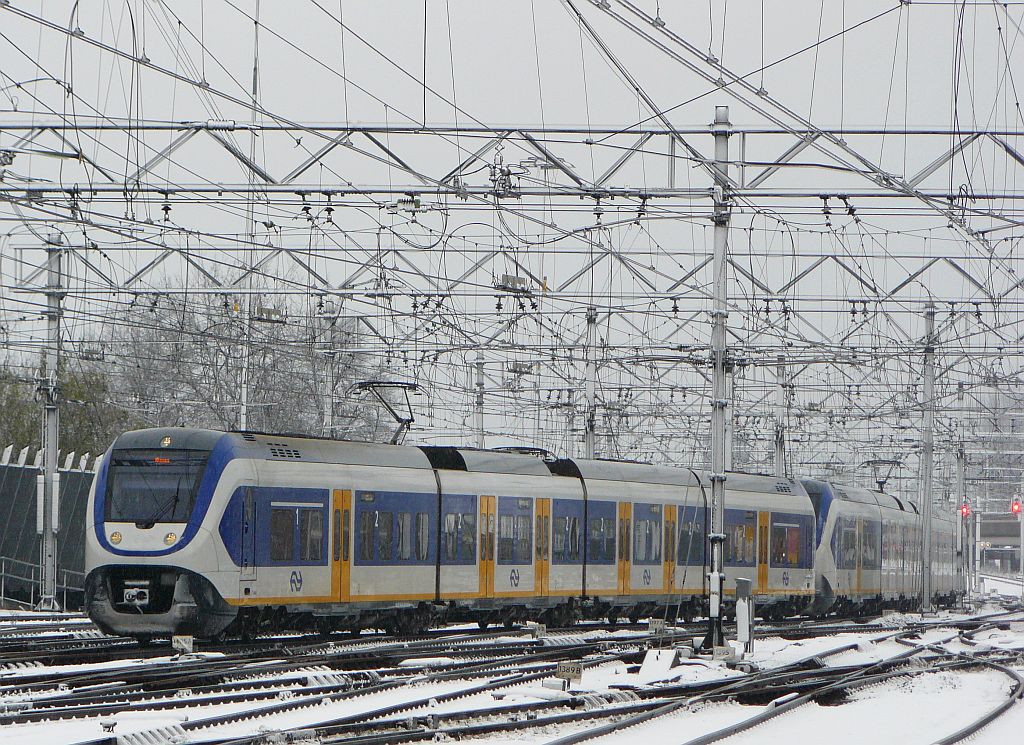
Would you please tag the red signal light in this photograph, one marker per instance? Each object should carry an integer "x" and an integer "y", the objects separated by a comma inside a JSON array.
[
  {"x": 965, "y": 509},
  {"x": 1015, "y": 507}
]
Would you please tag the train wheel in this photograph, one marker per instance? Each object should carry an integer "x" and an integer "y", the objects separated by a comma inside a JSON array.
[{"x": 482, "y": 623}]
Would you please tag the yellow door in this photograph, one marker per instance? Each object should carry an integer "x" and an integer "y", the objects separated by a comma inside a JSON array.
[
  {"x": 542, "y": 562},
  {"x": 762, "y": 551},
  {"x": 488, "y": 520},
  {"x": 668, "y": 547},
  {"x": 341, "y": 544},
  {"x": 625, "y": 542}
]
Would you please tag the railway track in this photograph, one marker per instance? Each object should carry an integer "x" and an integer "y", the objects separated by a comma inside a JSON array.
[{"x": 232, "y": 687}]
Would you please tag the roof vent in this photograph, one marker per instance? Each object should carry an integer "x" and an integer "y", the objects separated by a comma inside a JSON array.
[
  {"x": 249, "y": 437},
  {"x": 280, "y": 450},
  {"x": 783, "y": 488}
]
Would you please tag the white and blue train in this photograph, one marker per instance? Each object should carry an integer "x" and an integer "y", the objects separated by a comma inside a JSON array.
[{"x": 210, "y": 533}]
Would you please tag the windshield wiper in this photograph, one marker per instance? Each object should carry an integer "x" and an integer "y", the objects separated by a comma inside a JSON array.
[{"x": 170, "y": 505}]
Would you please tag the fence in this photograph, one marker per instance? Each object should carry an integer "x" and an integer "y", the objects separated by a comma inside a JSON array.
[
  {"x": 19, "y": 541},
  {"x": 19, "y": 585}
]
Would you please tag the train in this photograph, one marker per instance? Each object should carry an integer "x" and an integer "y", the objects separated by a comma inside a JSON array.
[{"x": 210, "y": 533}]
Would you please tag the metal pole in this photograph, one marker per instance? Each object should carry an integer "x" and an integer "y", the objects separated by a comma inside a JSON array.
[
  {"x": 977, "y": 551},
  {"x": 965, "y": 523},
  {"x": 479, "y": 405},
  {"x": 591, "y": 383},
  {"x": 49, "y": 392},
  {"x": 780, "y": 417},
  {"x": 250, "y": 209},
  {"x": 927, "y": 456},
  {"x": 719, "y": 402},
  {"x": 1020, "y": 519}
]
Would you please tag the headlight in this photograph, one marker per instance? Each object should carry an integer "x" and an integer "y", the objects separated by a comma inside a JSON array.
[
  {"x": 170, "y": 538},
  {"x": 115, "y": 537}
]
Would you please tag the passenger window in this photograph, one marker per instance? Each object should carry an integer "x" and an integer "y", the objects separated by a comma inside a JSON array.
[
  {"x": 451, "y": 536},
  {"x": 422, "y": 535},
  {"x": 524, "y": 539},
  {"x": 559, "y": 539},
  {"x": 385, "y": 535},
  {"x": 404, "y": 536},
  {"x": 311, "y": 534},
  {"x": 506, "y": 537},
  {"x": 785, "y": 545},
  {"x": 640, "y": 541},
  {"x": 366, "y": 520},
  {"x": 468, "y": 536},
  {"x": 282, "y": 535}
]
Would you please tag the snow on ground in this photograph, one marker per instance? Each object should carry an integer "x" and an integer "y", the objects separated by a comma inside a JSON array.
[
  {"x": 1000, "y": 585},
  {"x": 901, "y": 711}
]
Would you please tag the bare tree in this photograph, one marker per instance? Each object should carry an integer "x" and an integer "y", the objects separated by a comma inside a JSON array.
[{"x": 179, "y": 361}]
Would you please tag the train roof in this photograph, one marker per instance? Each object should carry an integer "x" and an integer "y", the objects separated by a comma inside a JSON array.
[{"x": 864, "y": 496}]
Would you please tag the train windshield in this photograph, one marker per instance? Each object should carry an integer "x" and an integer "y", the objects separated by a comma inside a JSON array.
[{"x": 151, "y": 486}]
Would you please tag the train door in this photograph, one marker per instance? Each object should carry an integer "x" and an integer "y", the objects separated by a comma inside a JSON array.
[
  {"x": 668, "y": 546},
  {"x": 488, "y": 520},
  {"x": 542, "y": 567},
  {"x": 341, "y": 544},
  {"x": 248, "y": 572},
  {"x": 763, "y": 535},
  {"x": 625, "y": 542}
]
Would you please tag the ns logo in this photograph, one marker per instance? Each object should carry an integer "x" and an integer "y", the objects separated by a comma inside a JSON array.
[{"x": 295, "y": 581}]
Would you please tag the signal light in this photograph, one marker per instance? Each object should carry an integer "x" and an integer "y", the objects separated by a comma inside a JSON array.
[
  {"x": 965, "y": 509},
  {"x": 1015, "y": 506}
]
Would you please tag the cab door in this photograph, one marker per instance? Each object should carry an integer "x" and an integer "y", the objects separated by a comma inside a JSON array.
[
  {"x": 763, "y": 535},
  {"x": 542, "y": 564},
  {"x": 668, "y": 546},
  {"x": 488, "y": 521},
  {"x": 625, "y": 542},
  {"x": 248, "y": 571},
  {"x": 341, "y": 544}
]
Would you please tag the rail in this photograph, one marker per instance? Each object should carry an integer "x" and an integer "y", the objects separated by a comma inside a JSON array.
[{"x": 20, "y": 584}]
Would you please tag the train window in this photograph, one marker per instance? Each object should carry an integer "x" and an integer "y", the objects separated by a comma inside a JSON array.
[
  {"x": 311, "y": 535},
  {"x": 691, "y": 544},
  {"x": 846, "y": 544},
  {"x": 869, "y": 545},
  {"x": 385, "y": 535},
  {"x": 467, "y": 535},
  {"x": 451, "y": 536},
  {"x": 523, "y": 539},
  {"x": 459, "y": 537},
  {"x": 366, "y": 521},
  {"x": 506, "y": 538},
  {"x": 601, "y": 546},
  {"x": 739, "y": 543},
  {"x": 540, "y": 537},
  {"x": 785, "y": 545},
  {"x": 640, "y": 541},
  {"x": 336, "y": 535},
  {"x": 422, "y": 535},
  {"x": 404, "y": 520},
  {"x": 344, "y": 536},
  {"x": 566, "y": 539},
  {"x": 282, "y": 535}
]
